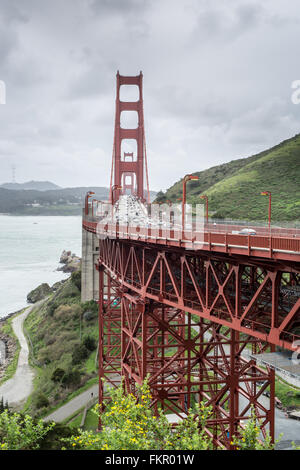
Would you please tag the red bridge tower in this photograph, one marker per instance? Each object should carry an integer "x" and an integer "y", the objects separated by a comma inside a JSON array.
[{"x": 129, "y": 169}]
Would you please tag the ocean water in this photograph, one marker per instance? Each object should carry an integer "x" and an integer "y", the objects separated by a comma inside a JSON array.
[{"x": 30, "y": 248}]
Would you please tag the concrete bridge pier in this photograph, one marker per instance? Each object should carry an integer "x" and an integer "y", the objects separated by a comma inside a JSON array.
[{"x": 89, "y": 273}]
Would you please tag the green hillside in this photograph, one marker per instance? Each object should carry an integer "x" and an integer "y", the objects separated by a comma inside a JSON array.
[
  {"x": 63, "y": 336},
  {"x": 234, "y": 188}
]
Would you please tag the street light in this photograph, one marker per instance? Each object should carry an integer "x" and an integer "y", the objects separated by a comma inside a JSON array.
[
  {"x": 114, "y": 188},
  {"x": 94, "y": 200},
  {"x": 185, "y": 180},
  {"x": 268, "y": 193},
  {"x": 88, "y": 195},
  {"x": 206, "y": 204}
]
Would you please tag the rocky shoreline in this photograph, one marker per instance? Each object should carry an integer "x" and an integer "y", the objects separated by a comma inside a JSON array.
[
  {"x": 8, "y": 350},
  {"x": 70, "y": 262}
]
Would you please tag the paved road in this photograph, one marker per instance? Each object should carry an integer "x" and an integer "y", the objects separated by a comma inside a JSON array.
[
  {"x": 16, "y": 390},
  {"x": 73, "y": 405}
]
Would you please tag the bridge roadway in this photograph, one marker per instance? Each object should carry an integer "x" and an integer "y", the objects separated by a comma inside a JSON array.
[{"x": 281, "y": 244}]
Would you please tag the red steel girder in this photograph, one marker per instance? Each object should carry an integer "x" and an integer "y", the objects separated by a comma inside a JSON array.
[{"x": 257, "y": 299}]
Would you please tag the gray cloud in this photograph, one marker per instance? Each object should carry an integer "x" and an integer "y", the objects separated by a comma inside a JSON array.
[{"x": 217, "y": 79}]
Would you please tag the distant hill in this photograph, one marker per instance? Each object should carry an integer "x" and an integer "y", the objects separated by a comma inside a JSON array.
[
  {"x": 64, "y": 201},
  {"x": 31, "y": 185},
  {"x": 234, "y": 188}
]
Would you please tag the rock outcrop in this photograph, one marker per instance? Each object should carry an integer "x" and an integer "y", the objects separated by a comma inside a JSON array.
[
  {"x": 8, "y": 349},
  {"x": 70, "y": 262},
  {"x": 39, "y": 293}
]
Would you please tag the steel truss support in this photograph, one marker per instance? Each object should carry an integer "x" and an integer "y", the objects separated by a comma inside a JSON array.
[
  {"x": 109, "y": 353},
  {"x": 250, "y": 296},
  {"x": 189, "y": 322},
  {"x": 190, "y": 361}
]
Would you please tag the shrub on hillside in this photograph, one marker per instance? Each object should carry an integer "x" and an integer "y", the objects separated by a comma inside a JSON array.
[
  {"x": 76, "y": 279},
  {"x": 43, "y": 356},
  {"x": 79, "y": 354},
  {"x": 52, "y": 306},
  {"x": 57, "y": 375},
  {"x": 90, "y": 305},
  {"x": 67, "y": 312},
  {"x": 71, "y": 377},
  {"x": 90, "y": 310},
  {"x": 41, "y": 400},
  {"x": 90, "y": 343},
  {"x": 89, "y": 315}
]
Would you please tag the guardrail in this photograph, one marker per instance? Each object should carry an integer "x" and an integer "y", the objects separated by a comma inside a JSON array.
[{"x": 269, "y": 246}]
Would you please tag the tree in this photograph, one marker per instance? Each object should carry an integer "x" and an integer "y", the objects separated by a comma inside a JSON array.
[
  {"x": 19, "y": 432},
  {"x": 80, "y": 353},
  {"x": 90, "y": 343}
]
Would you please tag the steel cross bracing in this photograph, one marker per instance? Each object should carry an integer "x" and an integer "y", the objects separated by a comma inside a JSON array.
[
  {"x": 188, "y": 309},
  {"x": 189, "y": 320}
]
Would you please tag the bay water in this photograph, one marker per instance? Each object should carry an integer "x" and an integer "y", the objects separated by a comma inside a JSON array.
[{"x": 30, "y": 248}]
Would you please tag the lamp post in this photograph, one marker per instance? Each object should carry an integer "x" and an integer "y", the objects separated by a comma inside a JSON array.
[
  {"x": 114, "y": 188},
  {"x": 88, "y": 195},
  {"x": 206, "y": 204},
  {"x": 185, "y": 180},
  {"x": 268, "y": 193},
  {"x": 94, "y": 200}
]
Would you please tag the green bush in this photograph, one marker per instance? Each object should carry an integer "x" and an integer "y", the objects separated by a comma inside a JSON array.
[
  {"x": 90, "y": 305},
  {"x": 18, "y": 432},
  {"x": 71, "y": 377},
  {"x": 79, "y": 354},
  {"x": 41, "y": 400},
  {"x": 89, "y": 315},
  {"x": 58, "y": 375},
  {"x": 76, "y": 279},
  {"x": 52, "y": 306},
  {"x": 90, "y": 343},
  {"x": 52, "y": 440},
  {"x": 130, "y": 424}
]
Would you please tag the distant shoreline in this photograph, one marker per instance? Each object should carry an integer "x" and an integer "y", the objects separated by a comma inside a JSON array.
[
  {"x": 12, "y": 314},
  {"x": 41, "y": 215}
]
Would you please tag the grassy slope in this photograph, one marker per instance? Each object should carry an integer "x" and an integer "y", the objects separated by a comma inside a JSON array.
[
  {"x": 54, "y": 330},
  {"x": 234, "y": 188}
]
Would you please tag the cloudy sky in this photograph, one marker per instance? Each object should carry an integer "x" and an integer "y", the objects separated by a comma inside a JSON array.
[{"x": 217, "y": 83}]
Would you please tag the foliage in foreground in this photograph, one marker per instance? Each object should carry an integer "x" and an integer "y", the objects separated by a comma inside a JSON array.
[
  {"x": 19, "y": 432},
  {"x": 131, "y": 425},
  {"x": 128, "y": 423},
  {"x": 249, "y": 438}
]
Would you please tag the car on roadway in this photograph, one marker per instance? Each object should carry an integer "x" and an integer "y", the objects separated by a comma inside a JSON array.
[{"x": 247, "y": 231}]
